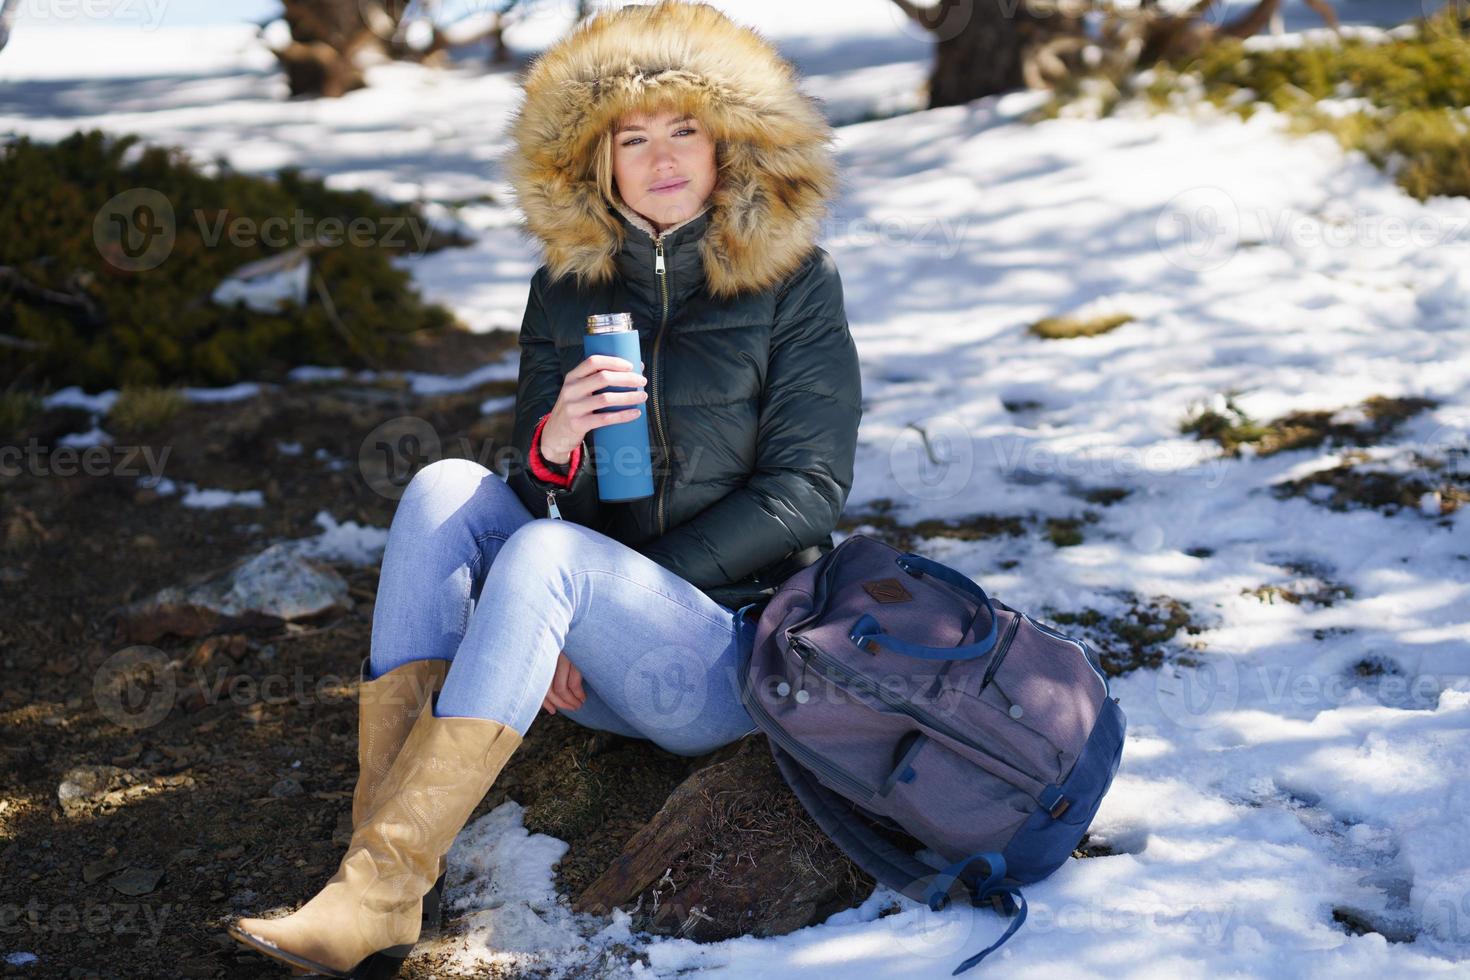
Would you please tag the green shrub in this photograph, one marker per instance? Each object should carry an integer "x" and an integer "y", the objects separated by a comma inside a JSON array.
[
  {"x": 1416, "y": 90},
  {"x": 140, "y": 408},
  {"x": 17, "y": 408},
  {"x": 104, "y": 322}
]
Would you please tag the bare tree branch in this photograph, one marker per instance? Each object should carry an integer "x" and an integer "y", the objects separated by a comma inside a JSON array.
[{"x": 1251, "y": 22}]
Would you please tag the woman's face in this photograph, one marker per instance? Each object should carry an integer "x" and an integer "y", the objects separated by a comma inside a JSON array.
[{"x": 652, "y": 151}]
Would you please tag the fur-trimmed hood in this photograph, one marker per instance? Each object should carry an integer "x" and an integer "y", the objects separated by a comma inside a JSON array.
[{"x": 772, "y": 143}]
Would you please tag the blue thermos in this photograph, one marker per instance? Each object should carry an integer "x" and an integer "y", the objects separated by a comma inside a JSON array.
[{"x": 624, "y": 467}]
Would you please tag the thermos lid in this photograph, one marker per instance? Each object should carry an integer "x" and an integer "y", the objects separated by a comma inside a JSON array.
[{"x": 609, "y": 322}]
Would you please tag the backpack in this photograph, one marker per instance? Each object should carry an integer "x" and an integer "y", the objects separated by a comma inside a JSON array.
[{"x": 893, "y": 691}]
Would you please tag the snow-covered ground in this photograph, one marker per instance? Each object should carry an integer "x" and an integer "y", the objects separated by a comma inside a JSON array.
[{"x": 1260, "y": 789}]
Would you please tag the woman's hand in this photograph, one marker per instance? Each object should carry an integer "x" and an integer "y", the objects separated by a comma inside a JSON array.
[
  {"x": 566, "y": 687},
  {"x": 575, "y": 412}
]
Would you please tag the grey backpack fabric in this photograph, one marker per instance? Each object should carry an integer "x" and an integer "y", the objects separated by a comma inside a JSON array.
[{"x": 894, "y": 691}]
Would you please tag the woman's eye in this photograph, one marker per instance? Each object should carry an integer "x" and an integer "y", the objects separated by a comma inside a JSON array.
[{"x": 635, "y": 139}]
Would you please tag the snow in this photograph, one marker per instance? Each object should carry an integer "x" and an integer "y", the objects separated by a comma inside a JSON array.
[
  {"x": 1260, "y": 789},
  {"x": 347, "y": 541},
  {"x": 215, "y": 499}
]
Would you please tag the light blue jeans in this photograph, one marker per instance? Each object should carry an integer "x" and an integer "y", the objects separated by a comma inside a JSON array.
[{"x": 470, "y": 576}]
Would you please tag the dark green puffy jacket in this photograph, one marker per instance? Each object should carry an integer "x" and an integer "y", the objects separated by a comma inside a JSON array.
[{"x": 753, "y": 414}]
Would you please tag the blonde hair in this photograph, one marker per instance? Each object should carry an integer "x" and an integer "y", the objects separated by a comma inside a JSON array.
[{"x": 602, "y": 167}]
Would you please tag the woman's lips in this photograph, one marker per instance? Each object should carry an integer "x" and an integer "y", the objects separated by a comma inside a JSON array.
[{"x": 679, "y": 185}]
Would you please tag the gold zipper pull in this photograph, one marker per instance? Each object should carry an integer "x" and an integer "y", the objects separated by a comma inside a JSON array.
[{"x": 658, "y": 256}]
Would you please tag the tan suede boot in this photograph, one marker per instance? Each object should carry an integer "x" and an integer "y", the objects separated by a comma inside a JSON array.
[
  {"x": 366, "y": 920},
  {"x": 386, "y": 710}
]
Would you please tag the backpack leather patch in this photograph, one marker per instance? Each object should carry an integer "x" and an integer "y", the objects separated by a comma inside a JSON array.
[{"x": 887, "y": 590}]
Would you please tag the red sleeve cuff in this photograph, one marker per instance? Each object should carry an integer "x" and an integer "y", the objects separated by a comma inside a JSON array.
[{"x": 541, "y": 467}]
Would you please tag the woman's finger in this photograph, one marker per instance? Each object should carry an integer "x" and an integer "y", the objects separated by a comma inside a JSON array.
[{"x": 574, "y": 682}]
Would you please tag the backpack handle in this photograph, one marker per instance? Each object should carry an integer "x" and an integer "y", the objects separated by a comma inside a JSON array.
[{"x": 869, "y": 636}]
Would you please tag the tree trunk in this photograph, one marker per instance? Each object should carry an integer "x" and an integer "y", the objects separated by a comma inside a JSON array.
[
  {"x": 326, "y": 36},
  {"x": 982, "y": 46}
]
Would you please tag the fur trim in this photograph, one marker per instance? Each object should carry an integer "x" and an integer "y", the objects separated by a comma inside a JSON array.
[{"x": 773, "y": 145}]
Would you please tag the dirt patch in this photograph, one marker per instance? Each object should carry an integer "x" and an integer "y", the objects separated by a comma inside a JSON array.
[
  {"x": 879, "y": 519},
  {"x": 1140, "y": 636},
  {"x": 1366, "y": 424},
  {"x": 238, "y": 799},
  {"x": 1435, "y": 486}
]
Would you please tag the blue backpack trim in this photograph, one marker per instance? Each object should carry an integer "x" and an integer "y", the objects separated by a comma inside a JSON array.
[{"x": 1043, "y": 843}]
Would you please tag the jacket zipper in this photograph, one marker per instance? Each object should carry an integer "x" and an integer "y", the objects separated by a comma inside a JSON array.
[
  {"x": 663, "y": 287},
  {"x": 836, "y": 670},
  {"x": 552, "y": 511}
]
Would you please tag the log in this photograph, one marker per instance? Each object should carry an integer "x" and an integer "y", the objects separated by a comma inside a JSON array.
[{"x": 732, "y": 852}]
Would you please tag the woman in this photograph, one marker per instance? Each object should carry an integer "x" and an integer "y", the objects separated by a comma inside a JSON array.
[{"x": 670, "y": 168}]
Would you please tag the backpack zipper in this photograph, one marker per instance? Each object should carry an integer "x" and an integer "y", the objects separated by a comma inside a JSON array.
[
  {"x": 663, "y": 287},
  {"x": 1000, "y": 654},
  {"x": 990, "y": 668},
  {"x": 854, "y": 788}
]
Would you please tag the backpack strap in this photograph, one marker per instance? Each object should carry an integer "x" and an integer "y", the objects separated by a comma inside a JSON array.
[{"x": 895, "y": 868}]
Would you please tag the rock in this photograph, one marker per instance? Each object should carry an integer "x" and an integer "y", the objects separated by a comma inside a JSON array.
[
  {"x": 268, "y": 589},
  {"x": 732, "y": 852},
  {"x": 137, "y": 881},
  {"x": 84, "y": 786},
  {"x": 286, "y": 788},
  {"x": 100, "y": 868}
]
